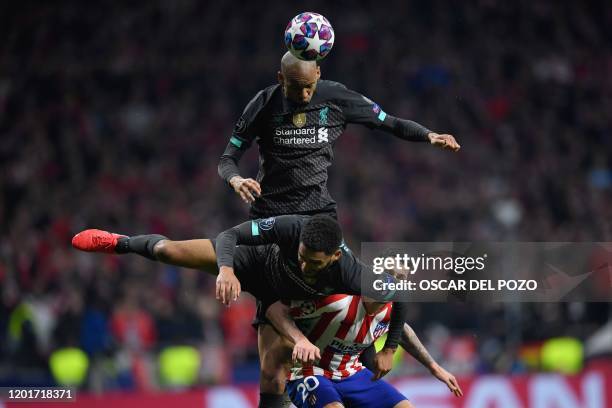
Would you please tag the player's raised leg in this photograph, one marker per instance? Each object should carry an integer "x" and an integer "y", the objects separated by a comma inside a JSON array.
[{"x": 195, "y": 253}]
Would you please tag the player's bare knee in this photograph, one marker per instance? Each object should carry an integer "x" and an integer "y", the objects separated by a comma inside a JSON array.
[
  {"x": 271, "y": 385},
  {"x": 273, "y": 375},
  {"x": 273, "y": 371},
  {"x": 272, "y": 381}
]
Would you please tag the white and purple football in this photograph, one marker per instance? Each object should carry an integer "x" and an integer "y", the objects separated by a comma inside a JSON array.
[{"x": 309, "y": 36}]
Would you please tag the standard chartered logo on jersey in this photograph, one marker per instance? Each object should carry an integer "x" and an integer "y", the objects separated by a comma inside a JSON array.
[{"x": 303, "y": 136}]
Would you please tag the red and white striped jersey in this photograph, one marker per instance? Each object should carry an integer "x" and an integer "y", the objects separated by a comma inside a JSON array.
[{"x": 342, "y": 329}]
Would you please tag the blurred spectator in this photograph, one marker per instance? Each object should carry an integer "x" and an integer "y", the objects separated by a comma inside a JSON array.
[
  {"x": 131, "y": 325},
  {"x": 114, "y": 115}
]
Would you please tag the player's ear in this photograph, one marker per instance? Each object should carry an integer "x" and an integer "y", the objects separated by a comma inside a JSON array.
[
  {"x": 279, "y": 76},
  {"x": 318, "y": 72},
  {"x": 336, "y": 255}
]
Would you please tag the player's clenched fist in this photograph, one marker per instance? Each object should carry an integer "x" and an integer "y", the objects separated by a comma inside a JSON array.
[
  {"x": 444, "y": 141},
  {"x": 305, "y": 352},
  {"x": 247, "y": 189},
  {"x": 228, "y": 285}
]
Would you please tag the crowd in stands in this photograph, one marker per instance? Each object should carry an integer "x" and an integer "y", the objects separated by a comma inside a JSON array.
[{"x": 114, "y": 115}]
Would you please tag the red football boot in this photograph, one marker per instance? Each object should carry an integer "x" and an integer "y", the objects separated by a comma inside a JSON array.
[{"x": 95, "y": 240}]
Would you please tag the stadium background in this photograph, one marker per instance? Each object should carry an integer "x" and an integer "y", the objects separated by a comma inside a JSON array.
[{"x": 114, "y": 115}]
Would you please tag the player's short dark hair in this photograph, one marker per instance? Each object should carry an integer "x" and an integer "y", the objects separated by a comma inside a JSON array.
[{"x": 321, "y": 233}]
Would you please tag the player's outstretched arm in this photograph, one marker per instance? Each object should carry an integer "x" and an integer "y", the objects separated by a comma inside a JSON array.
[
  {"x": 361, "y": 110},
  {"x": 303, "y": 350},
  {"x": 414, "y": 132},
  {"x": 411, "y": 343},
  {"x": 274, "y": 230}
]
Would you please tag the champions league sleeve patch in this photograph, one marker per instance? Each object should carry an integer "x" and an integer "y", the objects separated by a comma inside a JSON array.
[
  {"x": 381, "y": 113},
  {"x": 267, "y": 224},
  {"x": 302, "y": 308},
  {"x": 376, "y": 108},
  {"x": 386, "y": 294}
]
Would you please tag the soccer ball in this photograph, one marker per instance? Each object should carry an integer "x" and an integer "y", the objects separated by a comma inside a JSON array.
[{"x": 309, "y": 36}]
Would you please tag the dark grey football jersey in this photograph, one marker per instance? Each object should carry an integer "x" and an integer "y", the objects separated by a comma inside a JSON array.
[
  {"x": 277, "y": 240},
  {"x": 296, "y": 145}
]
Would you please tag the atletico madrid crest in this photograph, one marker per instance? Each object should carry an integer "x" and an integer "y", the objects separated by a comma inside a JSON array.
[{"x": 380, "y": 329}]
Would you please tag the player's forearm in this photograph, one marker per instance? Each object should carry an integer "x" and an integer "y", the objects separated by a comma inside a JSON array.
[
  {"x": 228, "y": 168},
  {"x": 228, "y": 163},
  {"x": 411, "y": 343},
  {"x": 406, "y": 129},
  {"x": 396, "y": 326},
  {"x": 226, "y": 247},
  {"x": 278, "y": 314},
  {"x": 400, "y": 309}
]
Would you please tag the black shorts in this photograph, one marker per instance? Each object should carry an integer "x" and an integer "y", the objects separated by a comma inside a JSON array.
[{"x": 250, "y": 269}]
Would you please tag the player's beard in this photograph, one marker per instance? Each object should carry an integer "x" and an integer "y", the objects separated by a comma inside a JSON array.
[
  {"x": 297, "y": 103},
  {"x": 312, "y": 278}
]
